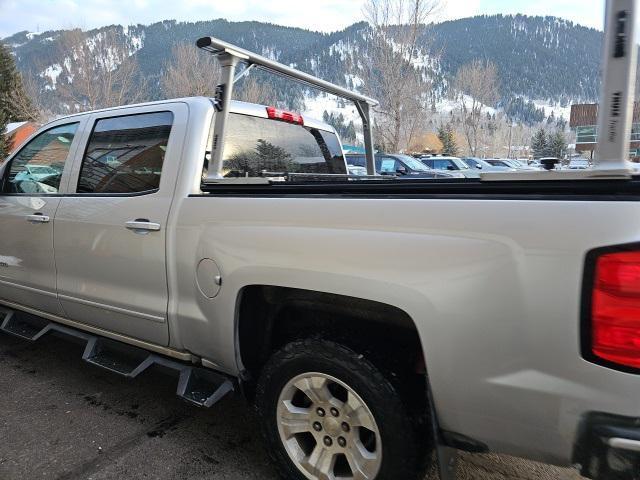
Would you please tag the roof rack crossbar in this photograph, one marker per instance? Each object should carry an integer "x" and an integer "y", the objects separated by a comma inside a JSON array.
[
  {"x": 217, "y": 47},
  {"x": 230, "y": 55}
]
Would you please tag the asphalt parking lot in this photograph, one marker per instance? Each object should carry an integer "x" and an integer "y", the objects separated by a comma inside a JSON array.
[{"x": 61, "y": 418}]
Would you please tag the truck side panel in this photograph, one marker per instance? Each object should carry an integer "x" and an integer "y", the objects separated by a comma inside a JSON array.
[{"x": 493, "y": 286}]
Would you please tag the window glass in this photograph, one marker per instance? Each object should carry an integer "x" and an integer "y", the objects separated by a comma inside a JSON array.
[
  {"x": 126, "y": 154},
  {"x": 357, "y": 160},
  {"x": 472, "y": 162},
  {"x": 414, "y": 164},
  {"x": 257, "y": 147},
  {"x": 388, "y": 165},
  {"x": 443, "y": 164},
  {"x": 38, "y": 167},
  {"x": 586, "y": 134}
]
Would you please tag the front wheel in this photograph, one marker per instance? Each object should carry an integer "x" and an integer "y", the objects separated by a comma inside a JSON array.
[{"x": 328, "y": 413}]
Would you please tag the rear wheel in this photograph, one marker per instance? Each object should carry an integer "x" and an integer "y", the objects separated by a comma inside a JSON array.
[{"x": 328, "y": 413}]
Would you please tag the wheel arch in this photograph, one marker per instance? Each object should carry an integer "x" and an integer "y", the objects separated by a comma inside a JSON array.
[{"x": 268, "y": 317}]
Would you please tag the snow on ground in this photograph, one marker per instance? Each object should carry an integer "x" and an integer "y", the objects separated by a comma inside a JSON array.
[
  {"x": 13, "y": 126},
  {"x": 555, "y": 108},
  {"x": 447, "y": 105},
  {"x": 316, "y": 106},
  {"x": 355, "y": 80},
  {"x": 52, "y": 73}
]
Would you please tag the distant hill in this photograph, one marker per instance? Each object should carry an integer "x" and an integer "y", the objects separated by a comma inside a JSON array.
[{"x": 542, "y": 59}]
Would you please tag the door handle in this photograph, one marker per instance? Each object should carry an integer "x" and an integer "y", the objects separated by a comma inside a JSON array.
[
  {"x": 38, "y": 218},
  {"x": 143, "y": 226}
]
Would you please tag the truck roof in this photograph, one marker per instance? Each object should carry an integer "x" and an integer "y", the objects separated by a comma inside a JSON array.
[{"x": 244, "y": 108}]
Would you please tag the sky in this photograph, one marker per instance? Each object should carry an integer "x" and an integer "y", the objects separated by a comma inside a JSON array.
[{"x": 322, "y": 15}]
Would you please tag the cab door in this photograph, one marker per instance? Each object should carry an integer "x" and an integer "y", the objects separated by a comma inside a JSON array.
[
  {"x": 31, "y": 182},
  {"x": 110, "y": 238}
]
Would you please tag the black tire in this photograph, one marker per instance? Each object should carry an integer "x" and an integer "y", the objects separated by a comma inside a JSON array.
[{"x": 405, "y": 452}]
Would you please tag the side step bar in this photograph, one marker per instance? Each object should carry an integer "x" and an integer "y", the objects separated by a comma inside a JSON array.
[{"x": 198, "y": 386}]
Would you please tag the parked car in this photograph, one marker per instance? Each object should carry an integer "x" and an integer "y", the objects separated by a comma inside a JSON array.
[
  {"x": 535, "y": 163},
  {"x": 578, "y": 164},
  {"x": 450, "y": 164},
  {"x": 400, "y": 165},
  {"x": 509, "y": 163},
  {"x": 481, "y": 164},
  {"x": 550, "y": 163},
  {"x": 356, "y": 170}
]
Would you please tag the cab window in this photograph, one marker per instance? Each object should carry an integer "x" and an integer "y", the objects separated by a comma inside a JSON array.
[
  {"x": 125, "y": 154},
  {"x": 37, "y": 168},
  {"x": 259, "y": 147}
]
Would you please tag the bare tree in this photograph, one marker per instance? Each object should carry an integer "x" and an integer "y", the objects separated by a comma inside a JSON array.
[
  {"x": 97, "y": 72},
  {"x": 190, "y": 73},
  {"x": 392, "y": 76},
  {"x": 253, "y": 90},
  {"x": 476, "y": 86}
]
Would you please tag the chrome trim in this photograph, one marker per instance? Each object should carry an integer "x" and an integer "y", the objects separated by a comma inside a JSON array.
[
  {"x": 140, "y": 225},
  {"x": 185, "y": 356},
  {"x": 111, "y": 308},
  {"x": 37, "y": 218},
  {"x": 624, "y": 444},
  {"x": 29, "y": 289}
]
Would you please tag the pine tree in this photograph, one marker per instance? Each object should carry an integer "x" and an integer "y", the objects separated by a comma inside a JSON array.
[
  {"x": 272, "y": 157},
  {"x": 446, "y": 136},
  {"x": 4, "y": 140},
  {"x": 539, "y": 144},
  {"x": 557, "y": 144},
  {"x": 14, "y": 103}
]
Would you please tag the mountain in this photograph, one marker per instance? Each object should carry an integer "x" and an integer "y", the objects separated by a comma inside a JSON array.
[
  {"x": 537, "y": 57},
  {"x": 541, "y": 59}
]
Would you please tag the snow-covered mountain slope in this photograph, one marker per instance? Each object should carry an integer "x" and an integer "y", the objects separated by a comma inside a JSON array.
[{"x": 540, "y": 61}]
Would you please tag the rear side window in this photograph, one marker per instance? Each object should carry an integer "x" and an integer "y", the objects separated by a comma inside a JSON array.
[
  {"x": 443, "y": 164},
  {"x": 37, "y": 168},
  {"x": 259, "y": 147},
  {"x": 126, "y": 154}
]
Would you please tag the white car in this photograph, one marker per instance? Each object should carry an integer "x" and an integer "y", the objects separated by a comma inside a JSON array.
[
  {"x": 509, "y": 163},
  {"x": 578, "y": 164}
]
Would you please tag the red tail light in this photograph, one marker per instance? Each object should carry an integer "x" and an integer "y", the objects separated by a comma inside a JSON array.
[
  {"x": 615, "y": 309},
  {"x": 276, "y": 114}
]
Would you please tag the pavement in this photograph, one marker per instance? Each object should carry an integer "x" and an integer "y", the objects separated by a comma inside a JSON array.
[{"x": 63, "y": 419}]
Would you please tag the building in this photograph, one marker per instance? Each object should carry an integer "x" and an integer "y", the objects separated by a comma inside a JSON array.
[
  {"x": 584, "y": 121},
  {"x": 19, "y": 132}
]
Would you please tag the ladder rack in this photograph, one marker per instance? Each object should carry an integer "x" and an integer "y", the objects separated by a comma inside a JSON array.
[{"x": 229, "y": 56}]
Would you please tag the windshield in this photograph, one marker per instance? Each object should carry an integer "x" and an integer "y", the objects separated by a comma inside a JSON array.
[
  {"x": 498, "y": 163},
  {"x": 472, "y": 162},
  {"x": 413, "y": 164},
  {"x": 461, "y": 164}
]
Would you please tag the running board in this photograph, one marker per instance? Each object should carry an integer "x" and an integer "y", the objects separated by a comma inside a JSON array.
[{"x": 198, "y": 386}]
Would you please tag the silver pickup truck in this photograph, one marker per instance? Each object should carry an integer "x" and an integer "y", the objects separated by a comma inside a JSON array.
[{"x": 371, "y": 321}]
